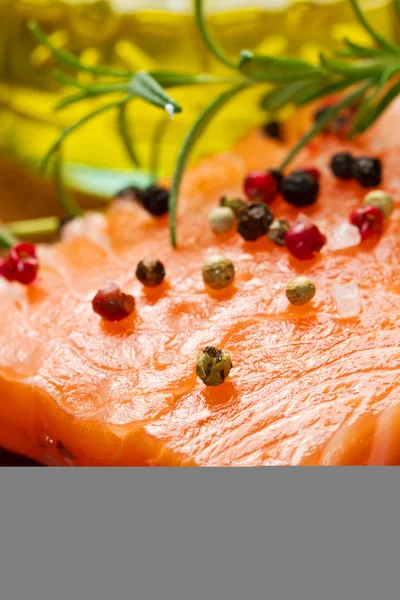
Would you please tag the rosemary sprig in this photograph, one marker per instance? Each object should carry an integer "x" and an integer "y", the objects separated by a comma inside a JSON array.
[
  {"x": 367, "y": 70},
  {"x": 367, "y": 75},
  {"x": 123, "y": 128},
  {"x": 194, "y": 133},
  {"x": 156, "y": 145}
]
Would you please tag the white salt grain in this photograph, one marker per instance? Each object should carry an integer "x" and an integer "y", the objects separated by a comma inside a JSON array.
[
  {"x": 344, "y": 236},
  {"x": 347, "y": 299}
]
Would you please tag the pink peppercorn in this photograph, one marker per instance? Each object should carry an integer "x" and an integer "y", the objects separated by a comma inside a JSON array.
[{"x": 304, "y": 240}]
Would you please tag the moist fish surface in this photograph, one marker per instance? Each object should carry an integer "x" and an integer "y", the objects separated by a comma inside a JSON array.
[{"x": 307, "y": 388}]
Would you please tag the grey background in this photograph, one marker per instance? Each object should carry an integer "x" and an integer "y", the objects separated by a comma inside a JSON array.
[{"x": 275, "y": 533}]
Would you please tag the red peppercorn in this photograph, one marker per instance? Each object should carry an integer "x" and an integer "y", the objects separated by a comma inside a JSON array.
[
  {"x": 112, "y": 304},
  {"x": 369, "y": 221},
  {"x": 314, "y": 172},
  {"x": 23, "y": 263},
  {"x": 304, "y": 240},
  {"x": 261, "y": 186},
  {"x": 5, "y": 270}
]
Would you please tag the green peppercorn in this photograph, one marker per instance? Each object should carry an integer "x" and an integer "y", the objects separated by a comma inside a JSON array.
[
  {"x": 221, "y": 219},
  {"x": 277, "y": 231},
  {"x": 300, "y": 291},
  {"x": 381, "y": 200},
  {"x": 213, "y": 366},
  {"x": 150, "y": 272},
  {"x": 236, "y": 204},
  {"x": 218, "y": 272}
]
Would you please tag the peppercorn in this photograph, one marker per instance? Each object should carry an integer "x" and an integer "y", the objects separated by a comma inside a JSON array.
[
  {"x": 381, "y": 200},
  {"x": 155, "y": 200},
  {"x": 218, "y": 272},
  {"x": 273, "y": 130},
  {"x": 131, "y": 192},
  {"x": 112, "y": 304},
  {"x": 369, "y": 221},
  {"x": 221, "y": 219},
  {"x": 304, "y": 240},
  {"x": 313, "y": 171},
  {"x": 278, "y": 177},
  {"x": 300, "y": 188},
  {"x": 6, "y": 270},
  {"x": 367, "y": 171},
  {"x": 262, "y": 186},
  {"x": 213, "y": 366},
  {"x": 300, "y": 291},
  {"x": 150, "y": 272},
  {"x": 338, "y": 125},
  {"x": 342, "y": 165},
  {"x": 236, "y": 204},
  {"x": 254, "y": 221},
  {"x": 277, "y": 231},
  {"x": 22, "y": 264}
]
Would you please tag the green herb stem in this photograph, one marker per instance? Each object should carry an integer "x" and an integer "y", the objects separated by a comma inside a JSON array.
[
  {"x": 155, "y": 148},
  {"x": 323, "y": 122},
  {"x": 191, "y": 137},
  {"x": 70, "y": 59},
  {"x": 34, "y": 227},
  {"x": 208, "y": 38},
  {"x": 126, "y": 138},
  {"x": 375, "y": 36},
  {"x": 57, "y": 145}
]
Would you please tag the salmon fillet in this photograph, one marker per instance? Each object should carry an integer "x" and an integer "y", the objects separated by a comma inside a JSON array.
[{"x": 307, "y": 387}]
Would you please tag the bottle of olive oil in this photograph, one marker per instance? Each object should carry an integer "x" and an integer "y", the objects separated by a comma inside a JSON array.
[{"x": 147, "y": 35}]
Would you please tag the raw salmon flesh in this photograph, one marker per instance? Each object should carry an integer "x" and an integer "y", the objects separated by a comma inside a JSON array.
[{"x": 307, "y": 388}]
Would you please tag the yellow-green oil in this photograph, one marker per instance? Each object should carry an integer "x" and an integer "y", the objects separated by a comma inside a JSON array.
[{"x": 148, "y": 39}]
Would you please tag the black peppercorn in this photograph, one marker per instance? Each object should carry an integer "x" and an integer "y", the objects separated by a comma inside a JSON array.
[
  {"x": 154, "y": 199},
  {"x": 342, "y": 165},
  {"x": 273, "y": 130},
  {"x": 300, "y": 188},
  {"x": 150, "y": 272},
  {"x": 367, "y": 171},
  {"x": 254, "y": 221}
]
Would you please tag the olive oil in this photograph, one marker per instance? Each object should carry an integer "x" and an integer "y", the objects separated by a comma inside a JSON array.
[{"x": 149, "y": 38}]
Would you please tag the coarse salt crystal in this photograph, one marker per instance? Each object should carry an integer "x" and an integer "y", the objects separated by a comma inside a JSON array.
[
  {"x": 344, "y": 236},
  {"x": 347, "y": 299}
]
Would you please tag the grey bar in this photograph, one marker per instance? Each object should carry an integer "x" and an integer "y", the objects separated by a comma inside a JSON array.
[{"x": 275, "y": 533}]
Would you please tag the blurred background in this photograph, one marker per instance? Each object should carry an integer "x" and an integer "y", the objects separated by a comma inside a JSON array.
[{"x": 139, "y": 34}]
